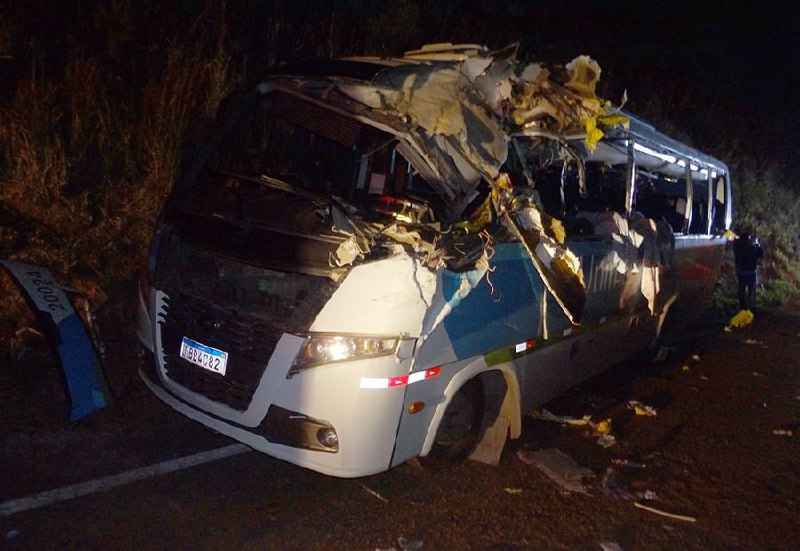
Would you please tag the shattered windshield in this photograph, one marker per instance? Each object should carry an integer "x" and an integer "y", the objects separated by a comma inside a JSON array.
[
  {"x": 301, "y": 143},
  {"x": 316, "y": 152}
]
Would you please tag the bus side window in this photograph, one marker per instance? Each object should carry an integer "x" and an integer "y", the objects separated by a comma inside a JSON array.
[
  {"x": 718, "y": 214},
  {"x": 699, "y": 208},
  {"x": 661, "y": 199}
]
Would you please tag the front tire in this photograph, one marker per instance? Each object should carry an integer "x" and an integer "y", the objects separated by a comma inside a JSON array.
[{"x": 460, "y": 428}]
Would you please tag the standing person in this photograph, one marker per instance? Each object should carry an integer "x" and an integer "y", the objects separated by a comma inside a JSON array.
[{"x": 747, "y": 254}]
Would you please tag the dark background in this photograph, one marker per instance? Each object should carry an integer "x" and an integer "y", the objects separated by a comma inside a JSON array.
[{"x": 717, "y": 76}]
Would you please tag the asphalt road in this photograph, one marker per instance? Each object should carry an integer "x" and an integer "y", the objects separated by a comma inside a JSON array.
[{"x": 710, "y": 453}]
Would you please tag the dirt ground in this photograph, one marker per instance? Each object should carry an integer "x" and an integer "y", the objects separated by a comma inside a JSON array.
[{"x": 711, "y": 453}]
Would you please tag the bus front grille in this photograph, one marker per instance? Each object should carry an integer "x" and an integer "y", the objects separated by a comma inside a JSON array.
[{"x": 249, "y": 342}]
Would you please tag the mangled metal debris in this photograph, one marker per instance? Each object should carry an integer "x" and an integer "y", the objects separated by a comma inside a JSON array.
[
  {"x": 86, "y": 385},
  {"x": 558, "y": 467},
  {"x": 456, "y": 111}
]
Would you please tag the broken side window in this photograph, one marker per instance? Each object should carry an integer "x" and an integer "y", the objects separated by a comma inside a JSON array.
[
  {"x": 605, "y": 187},
  {"x": 661, "y": 198},
  {"x": 699, "y": 223},
  {"x": 718, "y": 204}
]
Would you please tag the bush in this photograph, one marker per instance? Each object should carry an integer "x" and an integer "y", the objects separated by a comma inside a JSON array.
[
  {"x": 765, "y": 205},
  {"x": 85, "y": 164}
]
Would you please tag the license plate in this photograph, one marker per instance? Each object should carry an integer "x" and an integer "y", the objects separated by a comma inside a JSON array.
[{"x": 206, "y": 357}]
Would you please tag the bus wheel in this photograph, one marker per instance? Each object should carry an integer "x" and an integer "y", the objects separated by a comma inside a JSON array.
[{"x": 460, "y": 427}]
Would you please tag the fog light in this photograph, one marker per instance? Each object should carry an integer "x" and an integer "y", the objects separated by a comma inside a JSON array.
[
  {"x": 328, "y": 438},
  {"x": 415, "y": 407}
]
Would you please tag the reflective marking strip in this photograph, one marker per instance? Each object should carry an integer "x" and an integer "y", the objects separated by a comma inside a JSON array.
[
  {"x": 400, "y": 380},
  {"x": 416, "y": 377},
  {"x": 432, "y": 372},
  {"x": 525, "y": 346},
  {"x": 369, "y": 382}
]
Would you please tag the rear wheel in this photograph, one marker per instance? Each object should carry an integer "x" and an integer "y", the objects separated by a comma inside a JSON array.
[{"x": 460, "y": 427}]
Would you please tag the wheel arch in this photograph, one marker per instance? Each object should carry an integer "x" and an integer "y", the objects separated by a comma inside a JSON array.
[{"x": 509, "y": 401}]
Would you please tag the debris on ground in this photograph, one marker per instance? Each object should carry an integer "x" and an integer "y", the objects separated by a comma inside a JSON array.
[
  {"x": 614, "y": 486},
  {"x": 742, "y": 319},
  {"x": 695, "y": 358},
  {"x": 642, "y": 409},
  {"x": 603, "y": 427},
  {"x": 606, "y": 440},
  {"x": 610, "y": 546},
  {"x": 647, "y": 495},
  {"x": 374, "y": 494},
  {"x": 409, "y": 544},
  {"x": 513, "y": 491},
  {"x": 756, "y": 374},
  {"x": 782, "y": 432},
  {"x": 664, "y": 513},
  {"x": 703, "y": 378},
  {"x": 545, "y": 415},
  {"x": 685, "y": 368},
  {"x": 628, "y": 463},
  {"x": 85, "y": 382},
  {"x": 752, "y": 341},
  {"x": 558, "y": 467},
  {"x": 603, "y": 432},
  {"x": 663, "y": 353}
]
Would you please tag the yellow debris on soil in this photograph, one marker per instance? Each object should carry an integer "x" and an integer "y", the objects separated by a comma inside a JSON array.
[{"x": 742, "y": 319}]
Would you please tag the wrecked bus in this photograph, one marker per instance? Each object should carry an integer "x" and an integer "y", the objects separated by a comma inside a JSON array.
[{"x": 378, "y": 259}]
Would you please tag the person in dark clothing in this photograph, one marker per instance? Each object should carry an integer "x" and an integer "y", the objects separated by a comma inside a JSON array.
[{"x": 747, "y": 254}]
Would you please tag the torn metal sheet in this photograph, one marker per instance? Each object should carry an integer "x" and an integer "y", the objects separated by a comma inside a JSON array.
[
  {"x": 443, "y": 101},
  {"x": 457, "y": 105},
  {"x": 638, "y": 252},
  {"x": 558, "y": 467},
  {"x": 86, "y": 384},
  {"x": 543, "y": 239}
]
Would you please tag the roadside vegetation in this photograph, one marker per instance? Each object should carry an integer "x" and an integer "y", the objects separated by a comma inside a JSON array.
[
  {"x": 94, "y": 128},
  {"x": 768, "y": 207}
]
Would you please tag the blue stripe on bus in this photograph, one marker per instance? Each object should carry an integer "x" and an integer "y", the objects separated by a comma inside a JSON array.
[{"x": 485, "y": 321}]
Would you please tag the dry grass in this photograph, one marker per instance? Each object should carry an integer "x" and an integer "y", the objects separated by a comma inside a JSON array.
[{"x": 85, "y": 169}]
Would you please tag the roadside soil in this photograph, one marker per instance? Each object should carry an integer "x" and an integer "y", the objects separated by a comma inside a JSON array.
[{"x": 724, "y": 448}]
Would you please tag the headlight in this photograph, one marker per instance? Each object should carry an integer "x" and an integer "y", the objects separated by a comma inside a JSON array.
[{"x": 325, "y": 348}]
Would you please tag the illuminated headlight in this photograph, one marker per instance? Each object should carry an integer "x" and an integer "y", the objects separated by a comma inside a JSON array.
[{"x": 322, "y": 349}]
